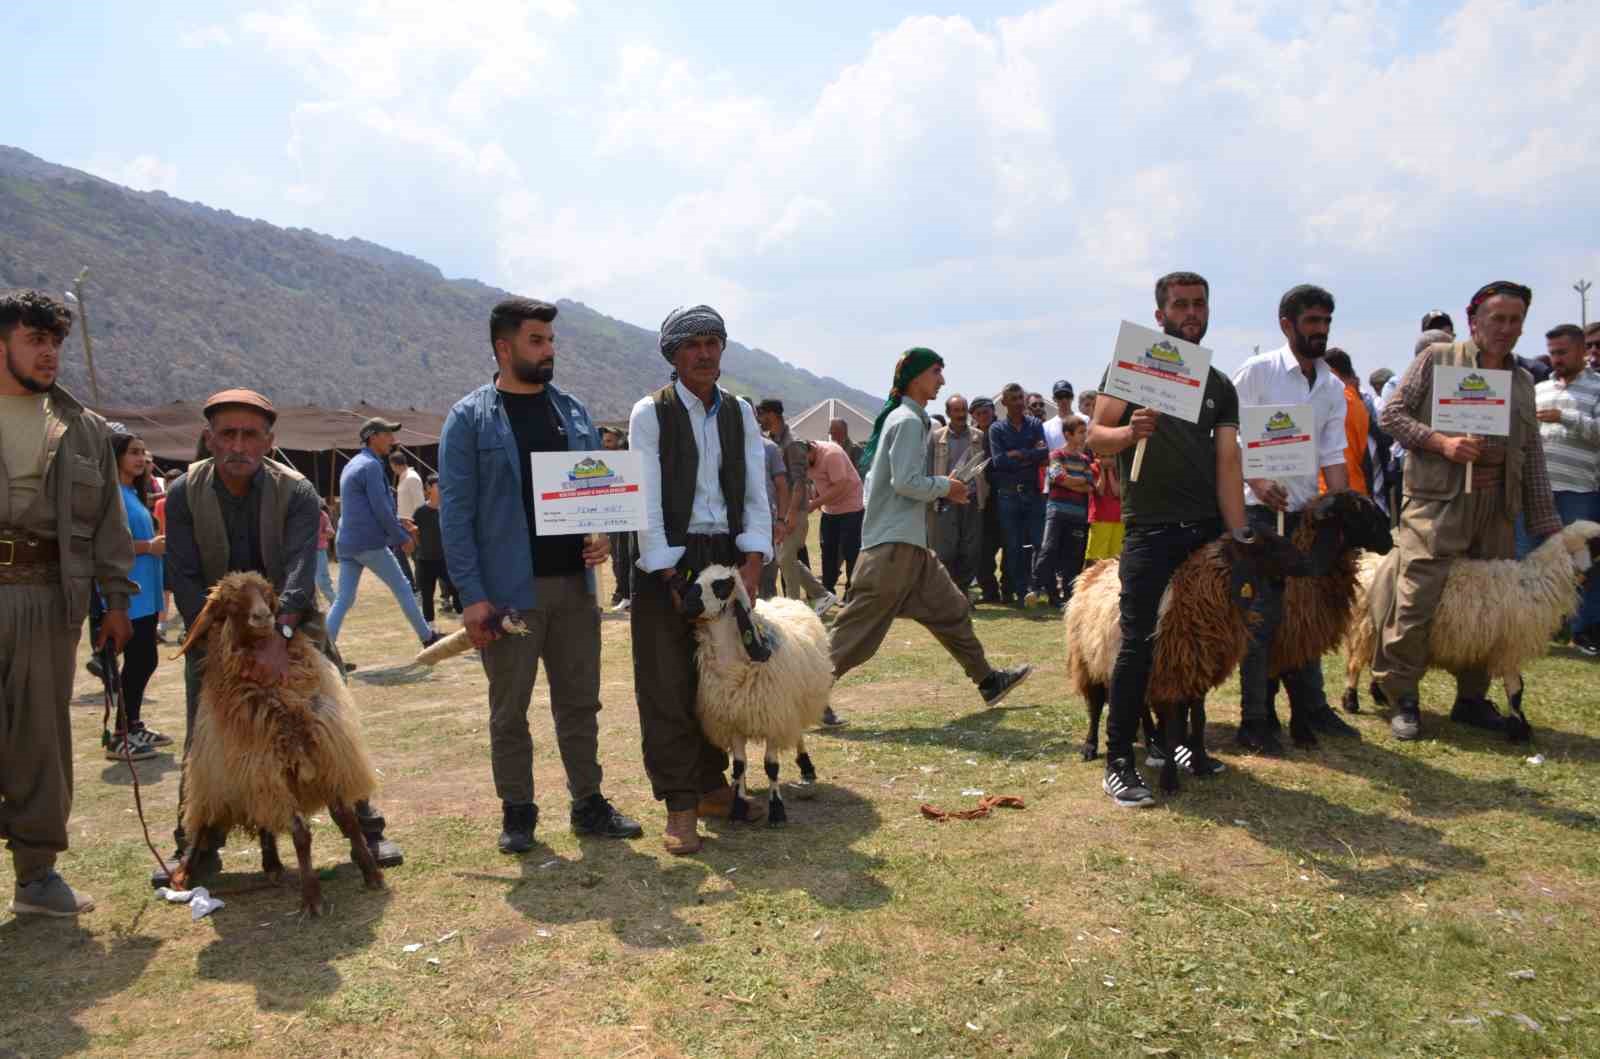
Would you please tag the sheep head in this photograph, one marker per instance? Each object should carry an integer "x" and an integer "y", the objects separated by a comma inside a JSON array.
[
  {"x": 1582, "y": 541},
  {"x": 711, "y": 593},
  {"x": 1349, "y": 520},
  {"x": 244, "y": 601},
  {"x": 1265, "y": 555}
]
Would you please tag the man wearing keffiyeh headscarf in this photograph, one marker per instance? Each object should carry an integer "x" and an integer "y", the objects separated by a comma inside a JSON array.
[{"x": 897, "y": 575}]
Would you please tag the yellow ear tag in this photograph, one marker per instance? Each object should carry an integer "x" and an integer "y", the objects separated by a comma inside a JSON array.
[{"x": 1246, "y": 592}]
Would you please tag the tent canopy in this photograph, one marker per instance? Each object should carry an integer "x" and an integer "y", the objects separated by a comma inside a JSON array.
[{"x": 812, "y": 424}]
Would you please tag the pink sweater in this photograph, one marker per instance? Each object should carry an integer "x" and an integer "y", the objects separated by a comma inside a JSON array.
[{"x": 838, "y": 486}]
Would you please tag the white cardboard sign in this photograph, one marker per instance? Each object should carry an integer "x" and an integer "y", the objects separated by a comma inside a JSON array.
[
  {"x": 1278, "y": 441},
  {"x": 1472, "y": 400},
  {"x": 587, "y": 492},
  {"x": 1158, "y": 371}
]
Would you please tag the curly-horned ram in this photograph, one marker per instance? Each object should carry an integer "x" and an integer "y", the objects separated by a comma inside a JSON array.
[
  {"x": 740, "y": 699},
  {"x": 267, "y": 753}
]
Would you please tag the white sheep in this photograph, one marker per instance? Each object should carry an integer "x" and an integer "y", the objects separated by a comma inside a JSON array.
[
  {"x": 1494, "y": 615},
  {"x": 740, "y": 699}
]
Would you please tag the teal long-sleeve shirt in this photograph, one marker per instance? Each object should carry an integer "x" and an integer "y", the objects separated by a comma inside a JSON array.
[{"x": 899, "y": 487}]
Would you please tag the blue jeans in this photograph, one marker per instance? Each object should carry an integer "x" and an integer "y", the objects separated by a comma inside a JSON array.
[
  {"x": 324, "y": 579},
  {"x": 1572, "y": 507},
  {"x": 1022, "y": 525},
  {"x": 380, "y": 561}
]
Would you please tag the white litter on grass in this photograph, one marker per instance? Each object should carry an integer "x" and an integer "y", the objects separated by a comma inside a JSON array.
[
  {"x": 199, "y": 900},
  {"x": 817, "y": 935},
  {"x": 433, "y": 961},
  {"x": 543, "y": 934},
  {"x": 1241, "y": 823},
  {"x": 1524, "y": 975},
  {"x": 972, "y": 792},
  {"x": 1537, "y": 759},
  {"x": 1526, "y": 1022},
  {"x": 415, "y": 946},
  {"x": 974, "y": 1027},
  {"x": 731, "y": 870},
  {"x": 972, "y": 761},
  {"x": 446, "y": 937},
  {"x": 550, "y": 863}
]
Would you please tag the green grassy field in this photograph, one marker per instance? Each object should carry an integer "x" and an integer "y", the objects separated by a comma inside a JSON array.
[{"x": 1367, "y": 899}]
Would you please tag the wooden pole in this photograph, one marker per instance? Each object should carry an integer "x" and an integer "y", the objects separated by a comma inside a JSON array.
[{"x": 88, "y": 344}]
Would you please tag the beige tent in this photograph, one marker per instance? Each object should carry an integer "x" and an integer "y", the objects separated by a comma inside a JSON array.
[{"x": 812, "y": 424}]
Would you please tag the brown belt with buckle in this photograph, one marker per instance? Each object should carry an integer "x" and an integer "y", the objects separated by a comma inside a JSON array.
[{"x": 28, "y": 560}]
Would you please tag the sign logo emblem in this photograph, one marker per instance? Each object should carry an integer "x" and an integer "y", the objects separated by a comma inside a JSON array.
[
  {"x": 1474, "y": 387},
  {"x": 590, "y": 473}
]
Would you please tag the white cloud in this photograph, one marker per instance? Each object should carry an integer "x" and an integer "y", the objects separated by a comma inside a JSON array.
[{"x": 212, "y": 36}]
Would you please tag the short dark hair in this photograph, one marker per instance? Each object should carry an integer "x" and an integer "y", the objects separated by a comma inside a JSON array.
[
  {"x": 1011, "y": 388},
  {"x": 1179, "y": 279},
  {"x": 1298, "y": 299},
  {"x": 396, "y": 456},
  {"x": 34, "y": 308},
  {"x": 770, "y": 404},
  {"x": 1592, "y": 329},
  {"x": 1565, "y": 331},
  {"x": 507, "y": 318},
  {"x": 1339, "y": 361}
]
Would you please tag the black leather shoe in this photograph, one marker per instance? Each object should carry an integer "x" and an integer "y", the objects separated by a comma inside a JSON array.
[
  {"x": 1479, "y": 713},
  {"x": 596, "y": 816},
  {"x": 386, "y": 853},
  {"x": 1260, "y": 737},
  {"x": 1324, "y": 721},
  {"x": 1406, "y": 722},
  {"x": 207, "y": 862},
  {"x": 516, "y": 829}
]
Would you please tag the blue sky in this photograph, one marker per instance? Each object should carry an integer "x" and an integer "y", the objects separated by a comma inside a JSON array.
[{"x": 1002, "y": 182}]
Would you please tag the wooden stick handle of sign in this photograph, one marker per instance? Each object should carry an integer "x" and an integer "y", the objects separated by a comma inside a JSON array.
[
  {"x": 1138, "y": 460},
  {"x": 1280, "y": 523},
  {"x": 1468, "y": 488}
]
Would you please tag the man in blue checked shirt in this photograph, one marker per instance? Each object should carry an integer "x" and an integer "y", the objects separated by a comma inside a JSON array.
[{"x": 1017, "y": 450}]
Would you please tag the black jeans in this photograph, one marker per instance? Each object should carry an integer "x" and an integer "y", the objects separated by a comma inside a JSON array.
[
  {"x": 1150, "y": 555},
  {"x": 622, "y": 560},
  {"x": 1256, "y": 689},
  {"x": 431, "y": 574},
  {"x": 993, "y": 544},
  {"x": 138, "y": 666},
  {"x": 1066, "y": 537},
  {"x": 841, "y": 539}
]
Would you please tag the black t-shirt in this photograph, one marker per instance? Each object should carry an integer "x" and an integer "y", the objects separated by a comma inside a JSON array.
[
  {"x": 430, "y": 544},
  {"x": 1178, "y": 479},
  {"x": 537, "y": 425}
]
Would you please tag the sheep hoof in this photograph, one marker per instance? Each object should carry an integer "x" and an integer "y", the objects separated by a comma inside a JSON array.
[
  {"x": 275, "y": 875},
  {"x": 1089, "y": 751},
  {"x": 740, "y": 809},
  {"x": 375, "y": 881},
  {"x": 777, "y": 815},
  {"x": 1301, "y": 733},
  {"x": 1169, "y": 777},
  {"x": 1352, "y": 700},
  {"x": 1377, "y": 694},
  {"x": 806, "y": 788}
]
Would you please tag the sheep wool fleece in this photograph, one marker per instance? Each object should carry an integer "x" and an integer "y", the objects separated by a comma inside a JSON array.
[{"x": 899, "y": 580}]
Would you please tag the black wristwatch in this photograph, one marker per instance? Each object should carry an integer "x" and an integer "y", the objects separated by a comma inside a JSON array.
[{"x": 286, "y": 631}]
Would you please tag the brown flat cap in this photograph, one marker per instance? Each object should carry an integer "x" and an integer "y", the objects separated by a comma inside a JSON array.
[{"x": 241, "y": 399}]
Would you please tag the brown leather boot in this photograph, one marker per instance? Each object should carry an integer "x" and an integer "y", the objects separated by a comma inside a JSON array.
[
  {"x": 719, "y": 805},
  {"x": 682, "y": 835}
]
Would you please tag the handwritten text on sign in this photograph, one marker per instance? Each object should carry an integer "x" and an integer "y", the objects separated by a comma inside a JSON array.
[
  {"x": 1472, "y": 400},
  {"x": 587, "y": 492},
  {"x": 1159, "y": 371},
  {"x": 1278, "y": 441}
]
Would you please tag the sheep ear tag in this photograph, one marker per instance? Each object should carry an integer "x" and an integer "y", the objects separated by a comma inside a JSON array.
[
  {"x": 755, "y": 644},
  {"x": 1247, "y": 591}
]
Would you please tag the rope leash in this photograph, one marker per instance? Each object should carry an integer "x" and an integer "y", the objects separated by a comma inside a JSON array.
[{"x": 112, "y": 679}]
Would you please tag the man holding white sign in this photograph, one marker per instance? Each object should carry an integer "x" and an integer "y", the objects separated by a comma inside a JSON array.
[
  {"x": 1293, "y": 410},
  {"x": 1190, "y": 486},
  {"x": 1463, "y": 494},
  {"x": 500, "y": 561}
]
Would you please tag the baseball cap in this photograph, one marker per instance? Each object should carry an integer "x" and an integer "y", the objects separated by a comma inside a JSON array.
[
  {"x": 376, "y": 425},
  {"x": 240, "y": 398},
  {"x": 1061, "y": 388},
  {"x": 1437, "y": 320}
]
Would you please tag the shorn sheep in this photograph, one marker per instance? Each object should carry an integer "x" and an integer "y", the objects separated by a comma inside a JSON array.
[
  {"x": 765, "y": 674},
  {"x": 264, "y": 755},
  {"x": 1495, "y": 614}
]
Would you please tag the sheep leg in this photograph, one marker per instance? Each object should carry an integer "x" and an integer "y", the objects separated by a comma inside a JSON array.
[
  {"x": 1096, "y": 699},
  {"x": 310, "y": 889},
  {"x": 807, "y": 787},
  {"x": 1169, "y": 767},
  {"x": 360, "y": 852},
  {"x": 1518, "y": 730},
  {"x": 270, "y": 862},
  {"x": 1353, "y": 666},
  {"x": 741, "y": 796},
  {"x": 777, "y": 816}
]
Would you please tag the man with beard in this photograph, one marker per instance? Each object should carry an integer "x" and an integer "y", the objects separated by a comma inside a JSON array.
[
  {"x": 500, "y": 561},
  {"x": 1294, "y": 373},
  {"x": 1569, "y": 427},
  {"x": 958, "y": 528},
  {"x": 58, "y": 485},
  {"x": 1190, "y": 486}
]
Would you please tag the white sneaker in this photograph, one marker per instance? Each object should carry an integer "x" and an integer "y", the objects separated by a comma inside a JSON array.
[
  {"x": 129, "y": 748},
  {"x": 824, "y": 603},
  {"x": 622, "y": 607}
]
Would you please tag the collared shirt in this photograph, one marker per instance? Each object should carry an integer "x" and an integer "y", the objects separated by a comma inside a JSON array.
[
  {"x": 409, "y": 494},
  {"x": 898, "y": 487},
  {"x": 1572, "y": 446},
  {"x": 1275, "y": 378},
  {"x": 709, "y": 513},
  {"x": 837, "y": 483},
  {"x": 1017, "y": 452},
  {"x": 775, "y": 469}
]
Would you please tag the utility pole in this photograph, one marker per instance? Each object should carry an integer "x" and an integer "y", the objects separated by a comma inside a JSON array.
[
  {"x": 1582, "y": 287},
  {"x": 76, "y": 297}
]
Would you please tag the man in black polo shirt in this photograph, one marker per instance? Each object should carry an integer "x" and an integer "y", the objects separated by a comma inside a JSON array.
[{"x": 1190, "y": 484}]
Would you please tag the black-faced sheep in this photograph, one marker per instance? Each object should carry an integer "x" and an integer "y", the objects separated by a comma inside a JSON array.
[
  {"x": 266, "y": 753},
  {"x": 1495, "y": 615},
  {"x": 773, "y": 700}
]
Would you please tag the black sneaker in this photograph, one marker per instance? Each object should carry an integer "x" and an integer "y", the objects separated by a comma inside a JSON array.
[
  {"x": 1406, "y": 723},
  {"x": 207, "y": 863},
  {"x": 432, "y": 639},
  {"x": 1585, "y": 642},
  {"x": 1201, "y": 764},
  {"x": 1479, "y": 713},
  {"x": 831, "y": 719},
  {"x": 1125, "y": 786},
  {"x": 596, "y": 816},
  {"x": 1325, "y": 721},
  {"x": 998, "y": 684},
  {"x": 1259, "y": 736},
  {"x": 516, "y": 830}
]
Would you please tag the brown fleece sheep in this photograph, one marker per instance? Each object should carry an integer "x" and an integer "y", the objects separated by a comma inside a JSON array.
[{"x": 264, "y": 754}]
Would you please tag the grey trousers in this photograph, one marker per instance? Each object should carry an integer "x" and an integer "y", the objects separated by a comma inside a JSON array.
[
  {"x": 958, "y": 540},
  {"x": 564, "y": 631}
]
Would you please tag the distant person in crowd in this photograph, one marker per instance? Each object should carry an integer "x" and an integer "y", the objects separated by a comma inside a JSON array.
[
  {"x": 1017, "y": 450},
  {"x": 836, "y": 493},
  {"x": 167, "y": 614},
  {"x": 1380, "y": 444},
  {"x": 1069, "y": 480},
  {"x": 1190, "y": 488},
  {"x": 624, "y": 549},
  {"x": 433, "y": 575},
  {"x": 138, "y": 740},
  {"x": 368, "y": 528},
  {"x": 500, "y": 561},
  {"x": 1569, "y": 429},
  {"x": 706, "y": 502},
  {"x": 408, "y": 495},
  {"x": 1438, "y": 320},
  {"x": 839, "y": 434},
  {"x": 1035, "y": 406},
  {"x": 1086, "y": 404},
  {"x": 325, "y": 533},
  {"x": 1055, "y": 434},
  {"x": 777, "y": 473},
  {"x": 1297, "y": 372},
  {"x": 55, "y": 546},
  {"x": 238, "y": 510},
  {"x": 798, "y": 580},
  {"x": 958, "y": 528},
  {"x": 1357, "y": 425},
  {"x": 1105, "y": 511},
  {"x": 1440, "y": 520},
  {"x": 1591, "y": 345},
  {"x": 991, "y": 549},
  {"x": 898, "y": 577},
  {"x": 938, "y": 418}
]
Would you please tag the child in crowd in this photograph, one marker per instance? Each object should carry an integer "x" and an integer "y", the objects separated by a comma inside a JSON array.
[
  {"x": 1069, "y": 481},
  {"x": 1105, "y": 512}
]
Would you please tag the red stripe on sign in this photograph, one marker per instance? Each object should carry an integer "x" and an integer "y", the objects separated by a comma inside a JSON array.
[
  {"x": 1473, "y": 400},
  {"x": 568, "y": 494},
  {"x": 1167, "y": 375},
  {"x": 1277, "y": 441}
]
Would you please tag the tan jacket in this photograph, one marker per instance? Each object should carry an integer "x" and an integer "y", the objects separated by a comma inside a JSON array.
[{"x": 939, "y": 459}]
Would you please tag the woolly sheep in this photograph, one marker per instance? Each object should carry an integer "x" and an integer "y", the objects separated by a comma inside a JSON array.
[
  {"x": 265, "y": 755},
  {"x": 740, "y": 699}
]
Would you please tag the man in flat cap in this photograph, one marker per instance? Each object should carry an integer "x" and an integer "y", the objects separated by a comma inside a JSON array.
[
  {"x": 239, "y": 510},
  {"x": 706, "y": 503},
  {"x": 62, "y": 528}
]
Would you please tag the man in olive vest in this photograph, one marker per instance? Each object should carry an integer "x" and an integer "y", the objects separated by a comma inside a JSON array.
[
  {"x": 239, "y": 510},
  {"x": 1440, "y": 520},
  {"x": 706, "y": 503}
]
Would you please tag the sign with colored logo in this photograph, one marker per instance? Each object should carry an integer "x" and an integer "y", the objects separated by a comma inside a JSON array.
[
  {"x": 1472, "y": 400},
  {"x": 1278, "y": 441},
  {"x": 587, "y": 492},
  {"x": 1159, "y": 371}
]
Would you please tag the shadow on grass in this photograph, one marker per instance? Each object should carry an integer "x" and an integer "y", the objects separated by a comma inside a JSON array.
[
  {"x": 393, "y": 676},
  {"x": 68, "y": 970},
  {"x": 974, "y": 731},
  {"x": 151, "y": 770}
]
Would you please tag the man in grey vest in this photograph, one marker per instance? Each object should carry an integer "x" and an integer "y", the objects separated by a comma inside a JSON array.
[
  {"x": 958, "y": 528},
  {"x": 239, "y": 510},
  {"x": 706, "y": 502}
]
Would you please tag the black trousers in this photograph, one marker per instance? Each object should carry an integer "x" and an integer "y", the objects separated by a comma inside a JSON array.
[
  {"x": 841, "y": 540},
  {"x": 405, "y": 567},
  {"x": 431, "y": 575},
  {"x": 1066, "y": 537},
  {"x": 139, "y": 660},
  {"x": 622, "y": 559},
  {"x": 994, "y": 540},
  {"x": 1150, "y": 555}
]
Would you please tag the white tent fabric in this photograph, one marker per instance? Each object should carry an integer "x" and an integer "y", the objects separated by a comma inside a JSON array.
[{"x": 812, "y": 424}]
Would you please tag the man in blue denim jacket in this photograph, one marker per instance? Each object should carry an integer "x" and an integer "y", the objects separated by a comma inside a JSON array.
[{"x": 500, "y": 562}]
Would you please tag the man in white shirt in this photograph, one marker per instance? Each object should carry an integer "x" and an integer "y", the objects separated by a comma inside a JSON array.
[
  {"x": 1294, "y": 373},
  {"x": 1054, "y": 435},
  {"x": 705, "y": 484},
  {"x": 1569, "y": 426},
  {"x": 409, "y": 495}
]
